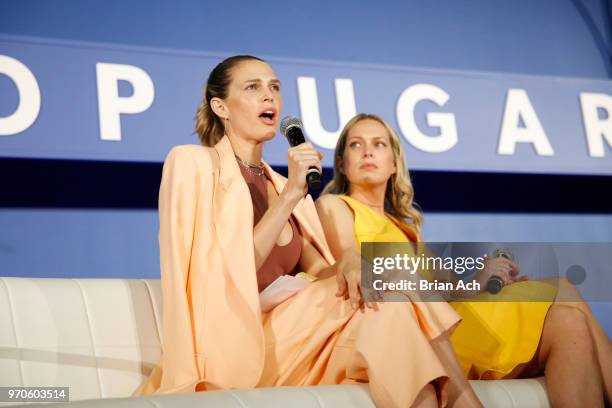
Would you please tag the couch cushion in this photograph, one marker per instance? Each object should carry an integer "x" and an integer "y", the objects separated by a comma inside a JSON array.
[{"x": 98, "y": 336}]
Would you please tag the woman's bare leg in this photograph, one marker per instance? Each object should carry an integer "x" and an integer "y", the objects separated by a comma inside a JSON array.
[
  {"x": 460, "y": 392},
  {"x": 569, "y": 296},
  {"x": 427, "y": 398},
  {"x": 567, "y": 353}
]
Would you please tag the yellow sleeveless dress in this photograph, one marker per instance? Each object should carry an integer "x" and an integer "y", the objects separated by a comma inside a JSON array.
[{"x": 493, "y": 337}]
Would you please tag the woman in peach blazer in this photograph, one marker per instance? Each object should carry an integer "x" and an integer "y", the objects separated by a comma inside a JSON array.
[{"x": 214, "y": 333}]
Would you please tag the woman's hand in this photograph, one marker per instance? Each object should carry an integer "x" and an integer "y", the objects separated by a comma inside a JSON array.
[
  {"x": 506, "y": 269},
  {"x": 348, "y": 276},
  {"x": 300, "y": 159},
  {"x": 269, "y": 227}
]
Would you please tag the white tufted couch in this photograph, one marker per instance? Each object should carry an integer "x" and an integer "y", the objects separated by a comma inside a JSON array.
[{"x": 101, "y": 338}]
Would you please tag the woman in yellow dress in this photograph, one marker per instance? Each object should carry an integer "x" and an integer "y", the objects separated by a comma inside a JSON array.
[{"x": 371, "y": 200}]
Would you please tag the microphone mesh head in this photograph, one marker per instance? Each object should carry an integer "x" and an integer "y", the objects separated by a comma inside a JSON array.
[
  {"x": 504, "y": 252},
  {"x": 288, "y": 122}
]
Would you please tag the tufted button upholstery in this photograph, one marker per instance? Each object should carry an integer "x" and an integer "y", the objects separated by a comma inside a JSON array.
[{"x": 101, "y": 338}]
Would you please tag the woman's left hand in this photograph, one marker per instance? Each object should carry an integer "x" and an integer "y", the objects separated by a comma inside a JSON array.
[{"x": 348, "y": 276}]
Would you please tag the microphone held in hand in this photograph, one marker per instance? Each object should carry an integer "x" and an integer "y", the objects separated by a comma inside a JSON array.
[
  {"x": 291, "y": 128},
  {"x": 496, "y": 283}
]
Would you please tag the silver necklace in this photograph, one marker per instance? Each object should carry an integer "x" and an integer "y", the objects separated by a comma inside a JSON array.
[{"x": 255, "y": 169}]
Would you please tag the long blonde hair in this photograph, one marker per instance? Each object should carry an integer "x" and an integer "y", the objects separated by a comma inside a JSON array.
[{"x": 399, "y": 194}]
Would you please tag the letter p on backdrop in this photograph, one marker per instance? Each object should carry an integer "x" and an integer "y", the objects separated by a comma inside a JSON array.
[{"x": 111, "y": 105}]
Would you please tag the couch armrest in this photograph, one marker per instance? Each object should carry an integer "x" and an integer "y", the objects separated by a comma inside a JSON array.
[
  {"x": 328, "y": 396},
  {"x": 498, "y": 393}
]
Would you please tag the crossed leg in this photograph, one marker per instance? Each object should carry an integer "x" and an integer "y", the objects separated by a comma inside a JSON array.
[{"x": 566, "y": 355}]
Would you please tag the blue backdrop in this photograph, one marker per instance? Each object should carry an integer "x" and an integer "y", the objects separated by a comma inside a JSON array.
[{"x": 476, "y": 52}]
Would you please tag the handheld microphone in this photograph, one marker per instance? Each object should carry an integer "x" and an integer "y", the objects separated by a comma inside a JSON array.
[
  {"x": 291, "y": 128},
  {"x": 496, "y": 283}
]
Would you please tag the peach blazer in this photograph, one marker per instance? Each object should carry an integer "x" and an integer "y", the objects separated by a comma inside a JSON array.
[{"x": 212, "y": 333}]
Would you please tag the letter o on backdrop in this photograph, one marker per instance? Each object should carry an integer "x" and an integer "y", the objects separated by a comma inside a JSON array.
[{"x": 29, "y": 97}]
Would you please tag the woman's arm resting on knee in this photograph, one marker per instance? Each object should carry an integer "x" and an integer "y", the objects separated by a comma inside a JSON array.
[{"x": 338, "y": 224}]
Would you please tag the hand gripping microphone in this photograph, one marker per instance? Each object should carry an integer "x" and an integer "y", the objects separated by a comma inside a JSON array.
[
  {"x": 291, "y": 128},
  {"x": 496, "y": 283}
]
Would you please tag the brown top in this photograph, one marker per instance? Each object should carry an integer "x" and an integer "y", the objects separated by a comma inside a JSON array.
[{"x": 282, "y": 260}]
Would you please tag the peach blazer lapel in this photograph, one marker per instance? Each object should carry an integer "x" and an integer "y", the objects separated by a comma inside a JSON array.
[{"x": 233, "y": 217}]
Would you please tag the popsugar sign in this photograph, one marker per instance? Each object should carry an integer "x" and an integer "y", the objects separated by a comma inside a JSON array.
[{"x": 69, "y": 100}]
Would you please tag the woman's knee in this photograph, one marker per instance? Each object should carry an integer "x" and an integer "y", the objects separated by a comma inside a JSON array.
[{"x": 569, "y": 323}]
